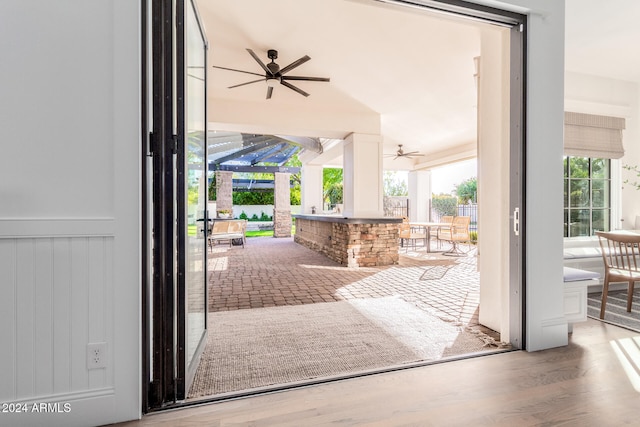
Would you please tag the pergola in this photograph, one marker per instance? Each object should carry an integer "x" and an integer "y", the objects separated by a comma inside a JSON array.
[{"x": 230, "y": 152}]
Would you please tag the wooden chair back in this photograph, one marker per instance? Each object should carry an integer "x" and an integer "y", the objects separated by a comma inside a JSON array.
[
  {"x": 621, "y": 256},
  {"x": 620, "y": 253},
  {"x": 405, "y": 228},
  {"x": 460, "y": 228}
]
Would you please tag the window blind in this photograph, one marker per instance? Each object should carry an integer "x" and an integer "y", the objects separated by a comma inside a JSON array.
[{"x": 589, "y": 135}]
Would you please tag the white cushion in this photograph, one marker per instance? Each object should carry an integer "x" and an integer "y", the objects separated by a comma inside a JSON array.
[
  {"x": 576, "y": 274},
  {"x": 571, "y": 253}
]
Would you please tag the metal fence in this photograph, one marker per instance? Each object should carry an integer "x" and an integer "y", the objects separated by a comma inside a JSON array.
[
  {"x": 396, "y": 206},
  {"x": 470, "y": 210}
]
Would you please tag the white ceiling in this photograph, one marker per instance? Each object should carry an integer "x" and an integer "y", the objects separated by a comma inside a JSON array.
[
  {"x": 414, "y": 69},
  {"x": 602, "y": 38}
]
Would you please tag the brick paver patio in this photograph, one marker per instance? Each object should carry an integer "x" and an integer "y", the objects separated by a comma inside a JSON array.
[{"x": 271, "y": 272}]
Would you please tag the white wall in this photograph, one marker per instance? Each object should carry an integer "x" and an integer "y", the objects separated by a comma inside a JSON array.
[
  {"x": 69, "y": 186},
  {"x": 545, "y": 323},
  {"x": 609, "y": 97}
]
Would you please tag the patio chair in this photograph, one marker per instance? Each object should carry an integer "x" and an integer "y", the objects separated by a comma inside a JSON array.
[
  {"x": 410, "y": 235},
  {"x": 458, "y": 233},
  {"x": 446, "y": 219},
  {"x": 621, "y": 257}
]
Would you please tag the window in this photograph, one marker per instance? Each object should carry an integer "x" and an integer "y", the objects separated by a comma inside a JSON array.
[{"x": 587, "y": 196}]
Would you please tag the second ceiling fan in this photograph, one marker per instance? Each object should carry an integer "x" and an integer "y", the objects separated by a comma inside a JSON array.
[
  {"x": 274, "y": 74},
  {"x": 401, "y": 153}
]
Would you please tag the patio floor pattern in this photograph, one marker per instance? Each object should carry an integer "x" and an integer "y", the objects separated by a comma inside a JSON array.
[{"x": 277, "y": 271}]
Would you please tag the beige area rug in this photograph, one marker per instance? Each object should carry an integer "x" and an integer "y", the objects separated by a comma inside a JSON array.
[{"x": 278, "y": 345}]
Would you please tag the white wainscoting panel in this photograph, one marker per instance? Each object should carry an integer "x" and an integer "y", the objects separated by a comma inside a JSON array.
[{"x": 57, "y": 298}]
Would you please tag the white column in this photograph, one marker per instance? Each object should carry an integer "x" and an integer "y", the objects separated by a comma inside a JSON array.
[
  {"x": 493, "y": 181},
  {"x": 363, "y": 189},
  {"x": 311, "y": 188},
  {"x": 419, "y": 195}
]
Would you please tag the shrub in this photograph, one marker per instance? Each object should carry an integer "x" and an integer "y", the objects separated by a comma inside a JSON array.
[
  {"x": 264, "y": 217},
  {"x": 243, "y": 215},
  {"x": 445, "y": 205},
  {"x": 254, "y": 217}
]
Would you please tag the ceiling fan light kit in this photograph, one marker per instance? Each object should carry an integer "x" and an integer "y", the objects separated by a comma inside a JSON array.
[{"x": 273, "y": 74}]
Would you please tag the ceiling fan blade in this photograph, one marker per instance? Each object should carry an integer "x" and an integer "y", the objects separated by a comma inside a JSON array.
[
  {"x": 269, "y": 91},
  {"x": 247, "y": 83},
  {"x": 295, "y": 64},
  {"x": 240, "y": 71},
  {"x": 311, "y": 79},
  {"x": 410, "y": 153},
  {"x": 297, "y": 89},
  {"x": 264, "y": 67}
]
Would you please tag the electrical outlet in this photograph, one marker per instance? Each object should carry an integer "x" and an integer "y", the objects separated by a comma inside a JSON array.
[{"x": 97, "y": 355}]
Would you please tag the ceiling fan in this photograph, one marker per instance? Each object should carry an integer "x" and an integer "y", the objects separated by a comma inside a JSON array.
[
  {"x": 401, "y": 153},
  {"x": 274, "y": 74}
]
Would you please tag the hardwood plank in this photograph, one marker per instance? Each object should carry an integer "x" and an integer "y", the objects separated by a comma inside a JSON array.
[{"x": 583, "y": 384}]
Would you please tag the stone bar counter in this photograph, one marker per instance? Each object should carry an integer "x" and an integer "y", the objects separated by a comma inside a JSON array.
[{"x": 354, "y": 242}]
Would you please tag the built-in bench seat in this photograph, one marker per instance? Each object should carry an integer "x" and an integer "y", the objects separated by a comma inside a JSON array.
[
  {"x": 584, "y": 253},
  {"x": 576, "y": 288},
  {"x": 227, "y": 230}
]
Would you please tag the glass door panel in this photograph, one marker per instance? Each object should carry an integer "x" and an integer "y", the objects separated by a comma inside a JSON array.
[{"x": 196, "y": 187}]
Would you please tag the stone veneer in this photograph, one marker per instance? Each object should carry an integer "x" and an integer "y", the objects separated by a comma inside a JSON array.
[
  {"x": 224, "y": 190},
  {"x": 281, "y": 223},
  {"x": 281, "y": 205},
  {"x": 350, "y": 244}
]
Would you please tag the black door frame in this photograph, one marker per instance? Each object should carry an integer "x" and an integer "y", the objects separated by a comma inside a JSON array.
[{"x": 160, "y": 383}]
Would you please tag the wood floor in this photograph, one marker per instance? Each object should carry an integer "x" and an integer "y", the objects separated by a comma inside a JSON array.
[{"x": 594, "y": 381}]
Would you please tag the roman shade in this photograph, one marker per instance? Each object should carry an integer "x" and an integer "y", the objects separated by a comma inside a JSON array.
[{"x": 589, "y": 135}]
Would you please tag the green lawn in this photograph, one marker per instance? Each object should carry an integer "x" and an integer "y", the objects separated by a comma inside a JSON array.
[
  {"x": 192, "y": 229},
  {"x": 267, "y": 233},
  {"x": 260, "y": 233}
]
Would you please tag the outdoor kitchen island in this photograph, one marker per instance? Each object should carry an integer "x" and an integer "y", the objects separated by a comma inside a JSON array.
[{"x": 353, "y": 242}]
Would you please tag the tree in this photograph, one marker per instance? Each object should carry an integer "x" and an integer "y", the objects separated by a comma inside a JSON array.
[
  {"x": 332, "y": 185},
  {"x": 467, "y": 190},
  {"x": 333, "y": 194},
  {"x": 394, "y": 184},
  {"x": 444, "y": 204}
]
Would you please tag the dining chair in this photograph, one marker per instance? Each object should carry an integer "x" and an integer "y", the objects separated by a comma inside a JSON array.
[
  {"x": 409, "y": 235},
  {"x": 621, "y": 257},
  {"x": 446, "y": 219},
  {"x": 457, "y": 233}
]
